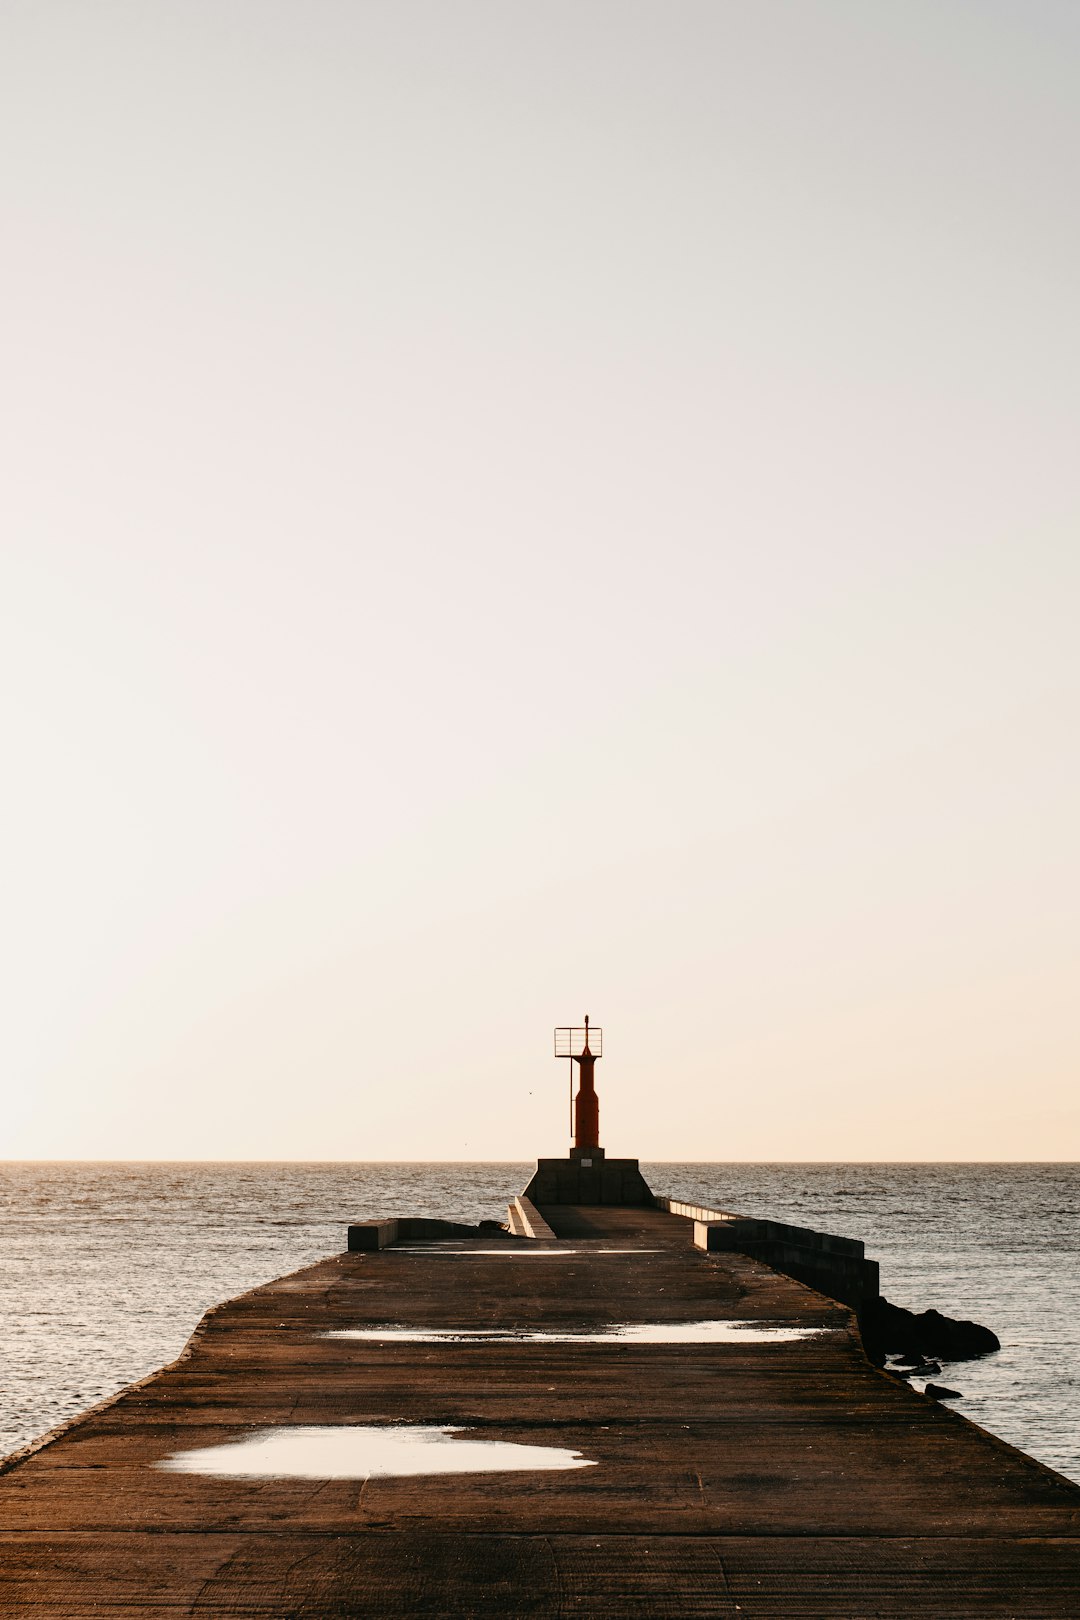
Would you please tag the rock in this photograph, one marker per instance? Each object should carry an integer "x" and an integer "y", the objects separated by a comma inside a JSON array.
[
  {"x": 938, "y": 1392},
  {"x": 927, "y": 1335}
]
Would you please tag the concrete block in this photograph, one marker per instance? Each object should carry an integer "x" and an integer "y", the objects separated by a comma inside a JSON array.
[{"x": 366, "y": 1235}]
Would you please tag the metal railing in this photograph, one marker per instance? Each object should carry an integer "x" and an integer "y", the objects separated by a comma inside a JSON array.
[{"x": 570, "y": 1040}]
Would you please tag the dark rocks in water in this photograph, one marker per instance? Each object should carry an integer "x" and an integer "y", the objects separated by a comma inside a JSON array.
[
  {"x": 492, "y": 1226},
  {"x": 938, "y": 1392},
  {"x": 921, "y": 1336}
]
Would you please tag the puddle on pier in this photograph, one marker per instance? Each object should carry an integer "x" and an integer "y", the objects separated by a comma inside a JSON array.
[
  {"x": 510, "y": 1254},
  {"x": 626, "y": 1333},
  {"x": 357, "y": 1452}
]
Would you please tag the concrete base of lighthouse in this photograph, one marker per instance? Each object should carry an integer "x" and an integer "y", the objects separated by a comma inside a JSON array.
[{"x": 588, "y": 1176}]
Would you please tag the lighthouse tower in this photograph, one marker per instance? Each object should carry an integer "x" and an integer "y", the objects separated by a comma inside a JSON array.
[
  {"x": 574, "y": 1043},
  {"x": 587, "y": 1176}
]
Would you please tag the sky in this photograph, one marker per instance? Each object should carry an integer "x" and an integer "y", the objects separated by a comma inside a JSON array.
[{"x": 516, "y": 510}]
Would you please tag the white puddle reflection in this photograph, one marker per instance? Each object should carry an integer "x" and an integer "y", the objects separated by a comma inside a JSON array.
[
  {"x": 628, "y": 1333},
  {"x": 511, "y": 1254},
  {"x": 438, "y": 1253},
  {"x": 356, "y": 1452}
]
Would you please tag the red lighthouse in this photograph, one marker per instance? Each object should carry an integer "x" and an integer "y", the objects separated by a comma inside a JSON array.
[{"x": 583, "y": 1045}]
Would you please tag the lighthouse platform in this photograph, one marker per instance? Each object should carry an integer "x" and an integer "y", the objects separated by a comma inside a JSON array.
[{"x": 588, "y": 1176}]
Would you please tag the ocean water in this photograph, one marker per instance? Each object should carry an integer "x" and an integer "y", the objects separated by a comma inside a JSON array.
[{"x": 105, "y": 1269}]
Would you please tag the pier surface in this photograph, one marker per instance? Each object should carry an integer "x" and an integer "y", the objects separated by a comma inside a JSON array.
[{"x": 750, "y": 1478}]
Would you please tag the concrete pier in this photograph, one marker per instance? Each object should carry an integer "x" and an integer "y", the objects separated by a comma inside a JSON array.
[{"x": 764, "y": 1470}]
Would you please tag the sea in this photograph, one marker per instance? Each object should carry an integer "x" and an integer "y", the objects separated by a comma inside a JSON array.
[{"x": 105, "y": 1269}]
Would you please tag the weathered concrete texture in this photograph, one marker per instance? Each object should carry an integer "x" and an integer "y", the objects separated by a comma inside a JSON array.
[
  {"x": 588, "y": 1177},
  {"x": 772, "y": 1480}
]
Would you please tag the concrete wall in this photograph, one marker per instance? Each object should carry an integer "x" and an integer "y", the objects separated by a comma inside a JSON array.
[
  {"x": 380, "y": 1234},
  {"x": 526, "y": 1220},
  {"x": 835, "y": 1266}
]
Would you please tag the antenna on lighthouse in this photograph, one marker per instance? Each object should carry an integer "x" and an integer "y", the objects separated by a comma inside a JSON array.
[{"x": 583, "y": 1045}]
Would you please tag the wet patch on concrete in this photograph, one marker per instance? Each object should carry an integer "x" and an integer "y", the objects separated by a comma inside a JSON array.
[{"x": 360, "y": 1452}]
